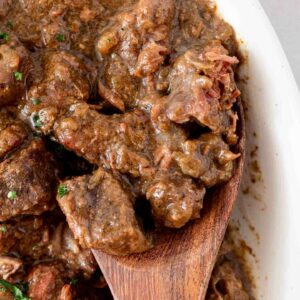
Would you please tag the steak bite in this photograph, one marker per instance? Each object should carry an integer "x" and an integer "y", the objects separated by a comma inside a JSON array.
[
  {"x": 65, "y": 81},
  {"x": 12, "y": 132},
  {"x": 15, "y": 64},
  {"x": 27, "y": 181},
  {"x": 100, "y": 214}
]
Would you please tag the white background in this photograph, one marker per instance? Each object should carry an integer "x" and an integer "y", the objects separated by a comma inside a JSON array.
[{"x": 285, "y": 17}]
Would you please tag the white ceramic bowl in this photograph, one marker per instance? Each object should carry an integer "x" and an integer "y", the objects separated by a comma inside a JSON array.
[{"x": 273, "y": 204}]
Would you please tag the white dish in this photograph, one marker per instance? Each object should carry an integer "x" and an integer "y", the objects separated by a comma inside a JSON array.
[{"x": 274, "y": 114}]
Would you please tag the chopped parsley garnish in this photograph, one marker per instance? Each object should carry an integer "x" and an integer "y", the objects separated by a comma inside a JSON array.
[
  {"x": 36, "y": 101},
  {"x": 15, "y": 290},
  {"x": 109, "y": 39},
  {"x": 3, "y": 228},
  {"x": 4, "y": 36},
  {"x": 74, "y": 281},
  {"x": 12, "y": 195},
  {"x": 62, "y": 190},
  {"x": 9, "y": 25},
  {"x": 36, "y": 121},
  {"x": 18, "y": 75},
  {"x": 60, "y": 37}
]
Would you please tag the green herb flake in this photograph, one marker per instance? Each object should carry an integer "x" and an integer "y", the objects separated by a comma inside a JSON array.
[
  {"x": 74, "y": 281},
  {"x": 35, "y": 101},
  {"x": 12, "y": 195},
  {"x": 62, "y": 190},
  {"x": 109, "y": 39},
  {"x": 18, "y": 75},
  {"x": 9, "y": 25},
  {"x": 4, "y": 36},
  {"x": 15, "y": 290},
  {"x": 60, "y": 37},
  {"x": 3, "y": 228},
  {"x": 36, "y": 121}
]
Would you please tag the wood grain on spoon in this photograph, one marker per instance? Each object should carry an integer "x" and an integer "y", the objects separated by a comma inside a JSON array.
[{"x": 180, "y": 264}]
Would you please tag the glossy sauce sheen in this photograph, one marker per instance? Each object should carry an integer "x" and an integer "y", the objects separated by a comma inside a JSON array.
[{"x": 124, "y": 111}]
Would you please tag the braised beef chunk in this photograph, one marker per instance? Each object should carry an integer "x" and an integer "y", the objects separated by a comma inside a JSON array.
[
  {"x": 12, "y": 131},
  {"x": 118, "y": 142},
  {"x": 65, "y": 81},
  {"x": 175, "y": 201},
  {"x": 100, "y": 214},
  {"x": 203, "y": 88},
  {"x": 15, "y": 65},
  {"x": 27, "y": 181},
  {"x": 207, "y": 158},
  {"x": 134, "y": 46},
  {"x": 46, "y": 283}
]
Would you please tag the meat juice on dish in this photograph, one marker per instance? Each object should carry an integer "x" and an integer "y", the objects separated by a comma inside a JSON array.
[{"x": 105, "y": 105}]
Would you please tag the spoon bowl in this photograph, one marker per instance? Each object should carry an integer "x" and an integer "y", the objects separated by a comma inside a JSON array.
[{"x": 180, "y": 264}]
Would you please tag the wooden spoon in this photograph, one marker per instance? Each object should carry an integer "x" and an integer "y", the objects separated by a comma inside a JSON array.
[{"x": 180, "y": 264}]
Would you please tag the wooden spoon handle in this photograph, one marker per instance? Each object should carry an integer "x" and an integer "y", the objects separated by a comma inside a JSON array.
[
  {"x": 179, "y": 267},
  {"x": 175, "y": 281}
]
